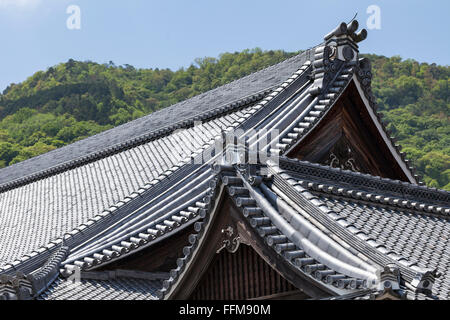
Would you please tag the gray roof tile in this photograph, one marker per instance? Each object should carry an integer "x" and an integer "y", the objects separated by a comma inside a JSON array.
[
  {"x": 111, "y": 289},
  {"x": 60, "y": 203},
  {"x": 416, "y": 237},
  {"x": 410, "y": 235}
]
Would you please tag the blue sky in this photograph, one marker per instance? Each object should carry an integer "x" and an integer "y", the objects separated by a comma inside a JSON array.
[{"x": 172, "y": 33}]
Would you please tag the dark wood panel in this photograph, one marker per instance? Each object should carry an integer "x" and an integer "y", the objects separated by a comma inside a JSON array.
[{"x": 240, "y": 282}]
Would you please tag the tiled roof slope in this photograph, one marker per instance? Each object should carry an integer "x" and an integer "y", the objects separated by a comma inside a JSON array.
[
  {"x": 413, "y": 235},
  {"x": 83, "y": 200},
  {"x": 110, "y": 205},
  {"x": 50, "y": 207},
  {"x": 188, "y": 109},
  {"x": 167, "y": 209},
  {"x": 412, "y": 232},
  {"x": 111, "y": 289},
  {"x": 139, "y": 229}
]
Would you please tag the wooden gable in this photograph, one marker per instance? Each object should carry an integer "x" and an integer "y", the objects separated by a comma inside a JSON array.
[
  {"x": 348, "y": 138},
  {"x": 234, "y": 263},
  {"x": 243, "y": 274}
]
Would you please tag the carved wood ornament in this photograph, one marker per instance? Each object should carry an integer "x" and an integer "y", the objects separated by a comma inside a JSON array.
[{"x": 231, "y": 240}]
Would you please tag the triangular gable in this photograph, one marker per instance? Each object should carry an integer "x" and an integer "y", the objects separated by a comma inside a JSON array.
[
  {"x": 341, "y": 127},
  {"x": 347, "y": 137},
  {"x": 243, "y": 274},
  {"x": 216, "y": 263}
]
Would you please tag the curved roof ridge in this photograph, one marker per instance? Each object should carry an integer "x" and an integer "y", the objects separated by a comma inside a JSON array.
[
  {"x": 312, "y": 259},
  {"x": 335, "y": 174}
]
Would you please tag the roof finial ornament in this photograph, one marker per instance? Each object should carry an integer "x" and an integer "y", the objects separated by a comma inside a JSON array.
[
  {"x": 339, "y": 50},
  {"x": 338, "y": 31},
  {"x": 360, "y": 36},
  {"x": 423, "y": 282},
  {"x": 348, "y": 30}
]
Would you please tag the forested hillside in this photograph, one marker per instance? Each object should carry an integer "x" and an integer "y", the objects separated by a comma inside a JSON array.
[{"x": 74, "y": 100}]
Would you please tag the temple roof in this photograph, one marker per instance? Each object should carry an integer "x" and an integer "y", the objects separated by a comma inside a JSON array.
[{"x": 107, "y": 198}]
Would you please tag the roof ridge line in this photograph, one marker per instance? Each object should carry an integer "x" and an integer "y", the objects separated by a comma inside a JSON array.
[
  {"x": 250, "y": 74},
  {"x": 325, "y": 97},
  {"x": 373, "y": 199},
  {"x": 26, "y": 286},
  {"x": 285, "y": 160},
  {"x": 276, "y": 92},
  {"x": 421, "y": 274}
]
